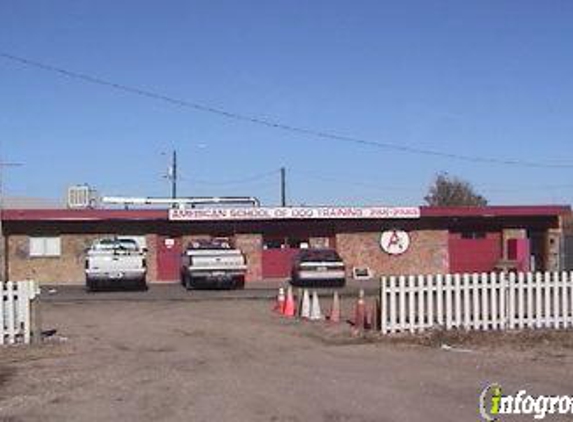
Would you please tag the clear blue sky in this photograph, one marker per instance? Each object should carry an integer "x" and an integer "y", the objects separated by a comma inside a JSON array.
[{"x": 486, "y": 78}]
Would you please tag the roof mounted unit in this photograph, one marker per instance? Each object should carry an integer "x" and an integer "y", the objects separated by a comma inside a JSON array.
[
  {"x": 81, "y": 197},
  {"x": 183, "y": 202}
]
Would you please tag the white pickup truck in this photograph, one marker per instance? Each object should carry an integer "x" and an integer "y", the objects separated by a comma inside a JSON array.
[
  {"x": 213, "y": 264},
  {"x": 115, "y": 262}
]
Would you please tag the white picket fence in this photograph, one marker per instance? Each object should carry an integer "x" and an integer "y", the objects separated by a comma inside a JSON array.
[
  {"x": 15, "y": 318},
  {"x": 476, "y": 301}
]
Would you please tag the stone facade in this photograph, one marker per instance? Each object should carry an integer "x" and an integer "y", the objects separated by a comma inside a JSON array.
[{"x": 427, "y": 254}]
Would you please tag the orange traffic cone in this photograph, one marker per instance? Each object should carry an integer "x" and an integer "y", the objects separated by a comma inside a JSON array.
[
  {"x": 289, "y": 308},
  {"x": 375, "y": 315},
  {"x": 334, "y": 316},
  {"x": 367, "y": 317},
  {"x": 360, "y": 311},
  {"x": 280, "y": 304}
]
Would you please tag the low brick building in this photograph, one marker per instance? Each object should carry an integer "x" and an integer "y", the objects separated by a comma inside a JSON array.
[{"x": 50, "y": 245}]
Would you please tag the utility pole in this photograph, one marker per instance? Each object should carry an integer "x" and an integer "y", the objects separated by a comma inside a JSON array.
[
  {"x": 283, "y": 187},
  {"x": 4, "y": 239},
  {"x": 172, "y": 175}
]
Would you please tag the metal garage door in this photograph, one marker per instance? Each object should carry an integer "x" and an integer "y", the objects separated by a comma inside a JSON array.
[{"x": 474, "y": 251}]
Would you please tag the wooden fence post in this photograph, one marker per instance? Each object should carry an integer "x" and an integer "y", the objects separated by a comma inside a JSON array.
[
  {"x": 383, "y": 305},
  {"x": 36, "y": 319}
]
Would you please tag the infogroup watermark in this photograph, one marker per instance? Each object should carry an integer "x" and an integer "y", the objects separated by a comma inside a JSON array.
[{"x": 493, "y": 403}]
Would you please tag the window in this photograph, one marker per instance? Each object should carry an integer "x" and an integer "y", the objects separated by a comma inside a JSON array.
[
  {"x": 326, "y": 255},
  {"x": 140, "y": 240},
  {"x": 114, "y": 244},
  {"x": 45, "y": 246},
  {"x": 474, "y": 235},
  {"x": 273, "y": 244},
  {"x": 297, "y": 242}
]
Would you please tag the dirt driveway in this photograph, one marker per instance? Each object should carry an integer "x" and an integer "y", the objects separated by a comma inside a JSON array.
[{"x": 235, "y": 361}]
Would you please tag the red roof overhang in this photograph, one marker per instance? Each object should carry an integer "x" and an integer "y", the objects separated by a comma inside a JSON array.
[
  {"x": 497, "y": 211},
  {"x": 162, "y": 214},
  {"x": 82, "y": 215}
]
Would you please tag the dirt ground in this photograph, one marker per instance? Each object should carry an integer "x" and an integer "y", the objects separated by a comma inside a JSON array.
[{"x": 237, "y": 361}]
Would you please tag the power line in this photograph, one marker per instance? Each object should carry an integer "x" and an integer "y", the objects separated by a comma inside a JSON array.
[
  {"x": 252, "y": 178},
  {"x": 274, "y": 123},
  {"x": 523, "y": 188},
  {"x": 306, "y": 175},
  {"x": 303, "y": 174}
]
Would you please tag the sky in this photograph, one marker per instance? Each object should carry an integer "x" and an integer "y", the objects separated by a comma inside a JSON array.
[{"x": 484, "y": 78}]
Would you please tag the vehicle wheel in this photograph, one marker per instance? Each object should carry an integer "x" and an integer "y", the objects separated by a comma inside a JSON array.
[
  {"x": 91, "y": 285},
  {"x": 142, "y": 285},
  {"x": 240, "y": 283},
  {"x": 187, "y": 282}
]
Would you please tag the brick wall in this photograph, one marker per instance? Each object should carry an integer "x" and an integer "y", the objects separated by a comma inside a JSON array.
[
  {"x": 428, "y": 253},
  {"x": 151, "y": 257},
  {"x": 66, "y": 269},
  {"x": 252, "y": 247}
]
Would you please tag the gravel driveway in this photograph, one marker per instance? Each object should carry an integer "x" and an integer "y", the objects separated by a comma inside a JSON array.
[{"x": 236, "y": 361}]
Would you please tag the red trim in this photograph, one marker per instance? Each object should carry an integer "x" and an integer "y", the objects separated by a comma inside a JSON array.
[
  {"x": 83, "y": 215},
  {"x": 162, "y": 214},
  {"x": 497, "y": 211}
]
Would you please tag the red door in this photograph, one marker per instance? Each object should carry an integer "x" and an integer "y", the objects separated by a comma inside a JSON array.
[{"x": 168, "y": 258}]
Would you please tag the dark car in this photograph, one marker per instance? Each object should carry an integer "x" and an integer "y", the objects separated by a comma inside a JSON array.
[{"x": 318, "y": 268}]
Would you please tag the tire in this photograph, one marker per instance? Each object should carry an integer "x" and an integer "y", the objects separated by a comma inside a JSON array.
[
  {"x": 295, "y": 282},
  {"x": 240, "y": 283},
  {"x": 91, "y": 285},
  {"x": 187, "y": 282},
  {"x": 341, "y": 283},
  {"x": 142, "y": 285}
]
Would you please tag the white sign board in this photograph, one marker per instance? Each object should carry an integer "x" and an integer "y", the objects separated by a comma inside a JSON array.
[
  {"x": 395, "y": 242},
  {"x": 292, "y": 213}
]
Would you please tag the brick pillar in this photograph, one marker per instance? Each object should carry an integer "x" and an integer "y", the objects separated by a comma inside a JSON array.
[
  {"x": 252, "y": 246},
  {"x": 553, "y": 250},
  {"x": 151, "y": 257},
  {"x": 511, "y": 234}
]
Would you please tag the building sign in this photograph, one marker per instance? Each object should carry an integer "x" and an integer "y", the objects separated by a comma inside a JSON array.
[
  {"x": 292, "y": 213},
  {"x": 395, "y": 242}
]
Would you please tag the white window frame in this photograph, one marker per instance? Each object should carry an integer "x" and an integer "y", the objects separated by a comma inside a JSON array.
[{"x": 45, "y": 246}]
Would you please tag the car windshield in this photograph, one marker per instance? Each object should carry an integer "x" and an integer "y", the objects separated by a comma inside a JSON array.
[
  {"x": 116, "y": 244},
  {"x": 319, "y": 255},
  {"x": 209, "y": 244}
]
